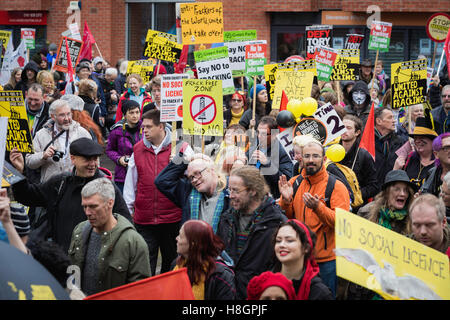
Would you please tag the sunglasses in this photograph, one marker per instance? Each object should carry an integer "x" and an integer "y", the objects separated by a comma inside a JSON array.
[{"x": 236, "y": 100}]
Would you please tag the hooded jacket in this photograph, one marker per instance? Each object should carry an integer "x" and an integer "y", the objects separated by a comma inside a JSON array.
[
  {"x": 322, "y": 220},
  {"x": 255, "y": 257},
  {"x": 23, "y": 84},
  {"x": 351, "y": 109},
  {"x": 43, "y": 137},
  {"x": 123, "y": 257}
]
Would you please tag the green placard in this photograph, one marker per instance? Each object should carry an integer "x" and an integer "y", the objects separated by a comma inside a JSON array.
[
  {"x": 255, "y": 67},
  {"x": 239, "y": 35},
  {"x": 211, "y": 54}
]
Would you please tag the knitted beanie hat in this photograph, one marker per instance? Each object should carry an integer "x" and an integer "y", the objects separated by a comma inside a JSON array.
[{"x": 259, "y": 284}]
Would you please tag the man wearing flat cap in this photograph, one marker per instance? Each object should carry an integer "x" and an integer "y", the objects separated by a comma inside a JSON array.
[{"x": 61, "y": 194}]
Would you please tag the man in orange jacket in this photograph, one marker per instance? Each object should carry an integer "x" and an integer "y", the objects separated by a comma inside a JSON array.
[{"x": 314, "y": 203}]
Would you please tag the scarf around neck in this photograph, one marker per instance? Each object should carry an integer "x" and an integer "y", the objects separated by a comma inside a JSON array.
[{"x": 387, "y": 216}]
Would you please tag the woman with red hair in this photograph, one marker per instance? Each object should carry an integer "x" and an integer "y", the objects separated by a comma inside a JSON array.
[
  {"x": 293, "y": 244},
  {"x": 199, "y": 249}
]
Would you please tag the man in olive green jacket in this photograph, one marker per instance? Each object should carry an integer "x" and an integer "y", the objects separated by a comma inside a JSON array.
[{"x": 106, "y": 247}]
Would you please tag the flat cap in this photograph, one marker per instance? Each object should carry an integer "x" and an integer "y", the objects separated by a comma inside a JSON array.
[{"x": 85, "y": 147}]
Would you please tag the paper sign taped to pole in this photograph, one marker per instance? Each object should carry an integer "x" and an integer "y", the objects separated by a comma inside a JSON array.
[
  {"x": 172, "y": 97},
  {"x": 388, "y": 263}
]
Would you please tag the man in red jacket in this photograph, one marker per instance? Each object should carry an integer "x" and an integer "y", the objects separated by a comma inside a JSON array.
[{"x": 155, "y": 217}]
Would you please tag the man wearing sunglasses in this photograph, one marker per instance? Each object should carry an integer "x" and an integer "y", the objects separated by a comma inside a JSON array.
[{"x": 441, "y": 115}]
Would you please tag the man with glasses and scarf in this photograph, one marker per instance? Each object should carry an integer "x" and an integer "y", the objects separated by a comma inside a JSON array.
[{"x": 193, "y": 183}]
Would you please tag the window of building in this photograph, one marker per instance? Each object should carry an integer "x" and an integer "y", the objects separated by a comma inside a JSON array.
[{"x": 143, "y": 15}]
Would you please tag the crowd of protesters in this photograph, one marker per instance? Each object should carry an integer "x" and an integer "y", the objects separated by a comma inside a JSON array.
[{"x": 244, "y": 219}]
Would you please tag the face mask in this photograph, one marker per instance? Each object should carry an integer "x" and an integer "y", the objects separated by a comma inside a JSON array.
[{"x": 359, "y": 97}]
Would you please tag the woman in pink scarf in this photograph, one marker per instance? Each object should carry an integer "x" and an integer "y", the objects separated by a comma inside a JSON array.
[{"x": 294, "y": 257}]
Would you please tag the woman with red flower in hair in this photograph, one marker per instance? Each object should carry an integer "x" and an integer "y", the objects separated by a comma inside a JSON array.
[
  {"x": 294, "y": 258},
  {"x": 199, "y": 251}
]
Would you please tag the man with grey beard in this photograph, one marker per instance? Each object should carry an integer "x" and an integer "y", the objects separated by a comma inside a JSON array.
[{"x": 51, "y": 143}]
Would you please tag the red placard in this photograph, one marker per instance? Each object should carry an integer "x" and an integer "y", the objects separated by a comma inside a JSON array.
[{"x": 255, "y": 51}]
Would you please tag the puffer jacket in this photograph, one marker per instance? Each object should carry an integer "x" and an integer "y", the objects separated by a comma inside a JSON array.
[
  {"x": 43, "y": 137},
  {"x": 321, "y": 220},
  {"x": 123, "y": 257},
  {"x": 120, "y": 143},
  {"x": 256, "y": 256}
]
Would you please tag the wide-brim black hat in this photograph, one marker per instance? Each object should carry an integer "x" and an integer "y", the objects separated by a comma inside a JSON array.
[
  {"x": 424, "y": 127},
  {"x": 397, "y": 176}
]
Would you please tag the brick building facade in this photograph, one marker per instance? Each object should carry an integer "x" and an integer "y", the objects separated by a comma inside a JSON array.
[{"x": 119, "y": 26}]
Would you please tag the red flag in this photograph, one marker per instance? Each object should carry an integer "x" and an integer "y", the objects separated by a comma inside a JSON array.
[
  {"x": 88, "y": 41},
  {"x": 447, "y": 51},
  {"x": 368, "y": 137},
  {"x": 173, "y": 285},
  {"x": 284, "y": 101},
  {"x": 181, "y": 65},
  {"x": 70, "y": 71}
]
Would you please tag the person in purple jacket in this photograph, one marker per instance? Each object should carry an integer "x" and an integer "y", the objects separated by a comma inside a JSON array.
[{"x": 123, "y": 136}]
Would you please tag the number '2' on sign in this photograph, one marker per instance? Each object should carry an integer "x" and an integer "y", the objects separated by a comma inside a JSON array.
[{"x": 335, "y": 127}]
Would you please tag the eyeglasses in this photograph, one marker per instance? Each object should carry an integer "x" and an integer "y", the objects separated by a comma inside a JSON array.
[
  {"x": 314, "y": 156},
  {"x": 446, "y": 96},
  {"x": 231, "y": 191},
  {"x": 445, "y": 148},
  {"x": 196, "y": 175}
]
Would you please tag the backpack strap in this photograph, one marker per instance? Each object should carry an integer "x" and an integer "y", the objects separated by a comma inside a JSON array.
[
  {"x": 329, "y": 189},
  {"x": 297, "y": 183}
]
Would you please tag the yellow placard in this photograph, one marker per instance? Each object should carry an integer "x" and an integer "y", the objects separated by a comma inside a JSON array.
[
  {"x": 18, "y": 136},
  {"x": 202, "y": 107},
  {"x": 296, "y": 85},
  {"x": 201, "y": 22},
  {"x": 152, "y": 34},
  {"x": 346, "y": 66},
  {"x": 409, "y": 83},
  {"x": 269, "y": 75},
  {"x": 304, "y": 65},
  {"x": 144, "y": 68},
  {"x": 4, "y": 39},
  {"x": 388, "y": 263}
]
